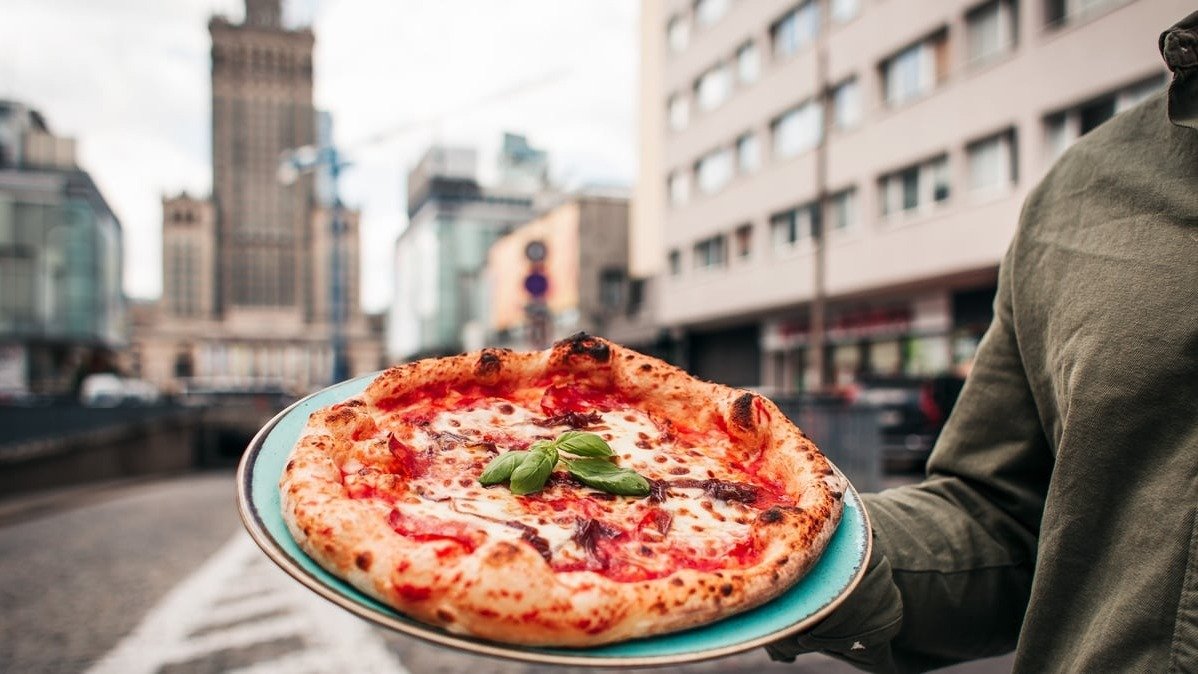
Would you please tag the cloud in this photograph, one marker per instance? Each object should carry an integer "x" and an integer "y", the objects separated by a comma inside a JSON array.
[{"x": 130, "y": 80}]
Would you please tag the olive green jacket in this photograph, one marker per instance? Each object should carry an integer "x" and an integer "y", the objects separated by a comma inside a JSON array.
[{"x": 1058, "y": 515}]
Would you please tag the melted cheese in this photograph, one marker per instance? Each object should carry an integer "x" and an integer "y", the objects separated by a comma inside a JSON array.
[{"x": 459, "y": 443}]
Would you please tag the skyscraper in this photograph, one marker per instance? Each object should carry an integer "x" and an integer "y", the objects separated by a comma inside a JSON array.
[
  {"x": 261, "y": 106},
  {"x": 248, "y": 274}
]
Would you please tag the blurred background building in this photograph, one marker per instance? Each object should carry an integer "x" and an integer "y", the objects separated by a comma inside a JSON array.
[
  {"x": 869, "y": 158},
  {"x": 584, "y": 244},
  {"x": 62, "y": 312},
  {"x": 248, "y": 294},
  {"x": 439, "y": 300}
]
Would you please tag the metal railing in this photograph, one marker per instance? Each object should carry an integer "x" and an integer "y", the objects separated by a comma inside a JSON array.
[{"x": 848, "y": 435}]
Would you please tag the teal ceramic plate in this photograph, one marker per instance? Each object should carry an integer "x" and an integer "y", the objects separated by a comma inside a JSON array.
[{"x": 812, "y": 598}]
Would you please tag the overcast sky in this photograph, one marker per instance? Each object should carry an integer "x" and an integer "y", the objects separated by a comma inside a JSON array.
[{"x": 129, "y": 79}]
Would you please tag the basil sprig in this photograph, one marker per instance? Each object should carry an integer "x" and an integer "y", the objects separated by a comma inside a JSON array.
[
  {"x": 580, "y": 443},
  {"x": 501, "y": 467},
  {"x": 532, "y": 473},
  {"x": 605, "y": 476},
  {"x": 526, "y": 472}
]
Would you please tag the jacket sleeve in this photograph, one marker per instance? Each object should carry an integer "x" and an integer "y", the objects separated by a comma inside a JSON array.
[{"x": 951, "y": 572}]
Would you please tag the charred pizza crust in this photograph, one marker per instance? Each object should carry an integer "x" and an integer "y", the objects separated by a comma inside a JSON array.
[{"x": 502, "y": 588}]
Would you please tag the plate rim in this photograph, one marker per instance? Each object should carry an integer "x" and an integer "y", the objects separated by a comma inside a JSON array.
[{"x": 251, "y": 520}]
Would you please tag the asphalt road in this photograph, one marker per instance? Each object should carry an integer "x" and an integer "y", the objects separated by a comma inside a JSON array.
[{"x": 159, "y": 577}]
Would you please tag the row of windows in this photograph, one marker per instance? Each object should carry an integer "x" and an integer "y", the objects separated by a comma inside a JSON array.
[
  {"x": 991, "y": 30},
  {"x": 789, "y": 33},
  {"x": 907, "y": 75},
  {"x": 261, "y": 61},
  {"x": 265, "y": 276},
  {"x": 910, "y": 73},
  {"x": 183, "y": 283},
  {"x": 991, "y": 166}
]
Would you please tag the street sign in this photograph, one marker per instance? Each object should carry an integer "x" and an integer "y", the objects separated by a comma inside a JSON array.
[
  {"x": 536, "y": 283},
  {"x": 535, "y": 251}
]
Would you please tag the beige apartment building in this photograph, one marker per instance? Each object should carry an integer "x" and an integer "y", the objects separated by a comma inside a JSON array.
[
  {"x": 584, "y": 240},
  {"x": 910, "y": 130}
]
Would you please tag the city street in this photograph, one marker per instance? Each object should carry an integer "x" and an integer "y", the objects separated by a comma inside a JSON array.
[{"x": 160, "y": 577}]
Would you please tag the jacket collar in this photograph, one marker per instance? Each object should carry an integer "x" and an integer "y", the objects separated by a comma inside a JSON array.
[{"x": 1179, "y": 47}]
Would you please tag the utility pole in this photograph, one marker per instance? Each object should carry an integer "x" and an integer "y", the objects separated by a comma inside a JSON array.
[
  {"x": 305, "y": 159},
  {"x": 337, "y": 299},
  {"x": 816, "y": 361}
]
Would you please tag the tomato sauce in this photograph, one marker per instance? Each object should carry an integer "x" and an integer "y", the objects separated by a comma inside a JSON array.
[
  {"x": 430, "y": 530},
  {"x": 409, "y": 462},
  {"x": 564, "y": 398}
]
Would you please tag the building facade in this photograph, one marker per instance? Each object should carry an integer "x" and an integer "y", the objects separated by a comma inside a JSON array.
[
  {"x": 62, "y": 312},
  {"x": 248, "y": 275},
  {"x": 585, "y": 244},
  {"x": 439, "y": 300},
  {"x": 907, "y": 133}
]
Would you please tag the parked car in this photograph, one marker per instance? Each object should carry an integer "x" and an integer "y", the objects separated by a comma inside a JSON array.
[
  {"x": 911, "y": 412},
  {"x": 111, "y": 390}
]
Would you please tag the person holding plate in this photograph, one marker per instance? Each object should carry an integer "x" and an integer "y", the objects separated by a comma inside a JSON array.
[{"x": 1058, "y": 513}]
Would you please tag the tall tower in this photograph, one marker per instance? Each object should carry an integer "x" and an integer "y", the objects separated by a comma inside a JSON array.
[
  {"x": 248, "y": 274},
  {"x": 261, "y": 106}
]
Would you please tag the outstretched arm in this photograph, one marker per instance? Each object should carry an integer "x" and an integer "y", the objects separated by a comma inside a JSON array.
[{"x": 952, "y": 566}]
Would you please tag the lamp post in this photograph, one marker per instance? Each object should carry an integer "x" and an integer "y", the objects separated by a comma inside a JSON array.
[{"x": 307, "y": 159}]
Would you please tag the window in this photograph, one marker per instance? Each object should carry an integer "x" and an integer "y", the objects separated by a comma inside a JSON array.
[
  {"x": 678, "y": 33},
  {"x": 714, "y": 170},
  {"x": 842, "y": 210},
  {"x": 743, "y": 237},
  {"x": 1131, "y": 96},
  {"x": 1060, "y": 12},
  {"x": 636, "y": 297},
  {"x": 711, "y": 253},
  {"x": 941, "y": 181},
  {"x": 990, "y": 30},
  {"x": 796, "y": 29},
  {"x": 708, "y": 12},
  {"x": 675, "y": 262},
  {"x": 679, "y": 188},
  {"x": 748, "y": 63},
  {"x": 915, "y": 70},
  {"x": 18, "y": 283},
  {"x": 844, "y": 10},
  {"x": 679, "y": 111},
  {"x": 712, "y": 87},
  {"x": 798, "y": 130},
  {"x": 748, "y": 153},
  {"x": 914, "y": 187},
  {"x": 992, "y": 162},
  {"x": 611, "y": 288},
  {"x": 1066, "y": 126},
  {"x": 846, "y": 104},
  {"x": 1059, "y": 134},
  {"x": 789, "y": 227}
]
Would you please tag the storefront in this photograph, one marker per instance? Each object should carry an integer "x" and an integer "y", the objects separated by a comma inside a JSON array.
[{"x": 917, "y": 336}]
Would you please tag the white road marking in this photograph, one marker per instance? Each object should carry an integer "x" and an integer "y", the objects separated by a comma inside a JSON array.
[{"x": 335, "y": 641}]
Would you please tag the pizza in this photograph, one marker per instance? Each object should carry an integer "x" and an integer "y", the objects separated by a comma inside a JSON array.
[{"x": 659, "y": 502}]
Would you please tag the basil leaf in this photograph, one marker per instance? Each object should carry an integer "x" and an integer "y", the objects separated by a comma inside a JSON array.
[
  {"x": 500, "y": 468},
  {"x": 541, "y": 444},
  {"x": 532, "y": 473},
  {"x": 605, "y": 476},
  {"x": 580, "y": 443}
]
